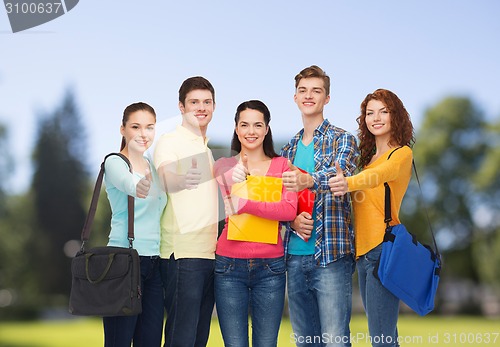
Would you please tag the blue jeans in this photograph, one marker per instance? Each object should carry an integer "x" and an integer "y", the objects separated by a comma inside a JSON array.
[
  {"x": 381, "y": 306},
  {"x": 320, "y": 300},
  {"x": 144, "y": 329},
  {"x": 255, "y": 286},
  {"x": 189, "y": 300}
]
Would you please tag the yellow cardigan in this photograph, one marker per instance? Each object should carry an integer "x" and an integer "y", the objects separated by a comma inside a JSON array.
[{"x": 368, "y": 196}]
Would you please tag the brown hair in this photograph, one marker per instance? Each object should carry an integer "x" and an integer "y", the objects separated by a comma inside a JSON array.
[
  {"x": 402, "y": 132},
  {"x": 314, "y": 71},
  {"x": 194, "y": 83},
  {"x": 268, "y": 145},
  {"x": 138, "y": 106}
]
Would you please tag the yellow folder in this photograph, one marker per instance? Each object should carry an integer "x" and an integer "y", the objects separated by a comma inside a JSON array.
[{"x": 247, "y": 227}]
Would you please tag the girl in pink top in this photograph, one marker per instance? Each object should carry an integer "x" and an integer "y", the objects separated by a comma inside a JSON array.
[{"x": 250, "y": 276}]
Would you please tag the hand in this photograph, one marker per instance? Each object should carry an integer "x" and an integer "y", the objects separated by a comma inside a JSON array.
[
  {"x": 193, "y": 176},
  {"x": 295, "y": 180},
  {"x": 303, "y": 225},
  {"x": 338, "y": 183},
  {"x": 143, "y": 186},
  {"x": 240, "y": 171},
  {"x": 231, "y": 203},
  {"x": 190, "y": 118}
]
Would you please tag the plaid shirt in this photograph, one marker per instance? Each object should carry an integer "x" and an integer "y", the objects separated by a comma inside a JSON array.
[{"x": 334, "y": 232}]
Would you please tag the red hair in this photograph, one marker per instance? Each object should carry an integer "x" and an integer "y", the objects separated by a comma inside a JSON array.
[{"x": 402, "y": 132}]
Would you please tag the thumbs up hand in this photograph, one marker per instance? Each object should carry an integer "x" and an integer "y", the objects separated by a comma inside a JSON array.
[
  {"x": 240, "y": 171},
  {"x": 338, "y": 183},
  {"x": 295, "y": 180},
  {"x": 143, "y": 186},
  {"x": 193, "y": 176}
]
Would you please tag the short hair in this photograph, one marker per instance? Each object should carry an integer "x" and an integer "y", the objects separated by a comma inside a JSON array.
[
  {"x": 195, "y": 83},
  {"x": 314, "y": 71},
  {"x": 257, "y": 105},
  {"x": 402, "y": 132}
]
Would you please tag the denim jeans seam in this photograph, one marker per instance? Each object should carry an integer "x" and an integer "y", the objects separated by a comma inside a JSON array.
[{"x": 175, "y": 299}]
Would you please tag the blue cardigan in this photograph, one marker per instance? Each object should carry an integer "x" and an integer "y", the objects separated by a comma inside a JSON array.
[{"x": 120, "y": 183}]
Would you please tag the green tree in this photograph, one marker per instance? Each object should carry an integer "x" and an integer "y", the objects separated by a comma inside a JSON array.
[
  {"x": 18, "y": 279},
  {"x": 450, "y": 147},
  {"x": 59, "y": 185},
  {"x": 19, "y": 291},
  {"x": 486, "y": 248},
  {"x": 6, "y": 168}
]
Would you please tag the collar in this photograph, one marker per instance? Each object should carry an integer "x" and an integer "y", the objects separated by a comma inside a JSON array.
[
  {"x": 190, "y": 135},
  {"x": 323, "y": 127}
]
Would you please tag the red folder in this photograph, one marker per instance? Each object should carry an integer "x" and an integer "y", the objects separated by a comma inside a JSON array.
[{"x": 305, "y": 200}]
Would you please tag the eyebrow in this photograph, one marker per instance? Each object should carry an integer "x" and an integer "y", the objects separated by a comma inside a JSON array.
[
  {"x": 245, "y": 122},
  {"x": 383, "y": 108},
  {"x": 140, "y": 124},
  {"x": 313, "y": 88},
  {"x": 188, "y": 100}
]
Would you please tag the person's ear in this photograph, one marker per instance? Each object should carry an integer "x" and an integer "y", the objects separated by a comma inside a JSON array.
[
  {"x": 181, "y": 107},
  {"x": 122, "y": 130},
  {"x": 327, "y": 99}
]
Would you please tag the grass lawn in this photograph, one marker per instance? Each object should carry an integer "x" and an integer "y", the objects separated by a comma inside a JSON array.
[{"x": 413, "y": 330}]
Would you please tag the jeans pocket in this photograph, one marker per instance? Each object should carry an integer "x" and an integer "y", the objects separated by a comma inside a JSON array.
[
  {"x": 374, "y": 255},
  {"x": 276, "y": 266},
  {"x": 222, "y": 266}
]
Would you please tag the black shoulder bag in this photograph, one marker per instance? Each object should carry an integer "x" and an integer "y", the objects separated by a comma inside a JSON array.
[{"x": 106, "y": 280}]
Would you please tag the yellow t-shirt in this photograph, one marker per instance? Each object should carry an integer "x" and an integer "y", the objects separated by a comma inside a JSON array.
[
  {"x": 189, "y": 222},
  {"x": 369, "y": 193}
]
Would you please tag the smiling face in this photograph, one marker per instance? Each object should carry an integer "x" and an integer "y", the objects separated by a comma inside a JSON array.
[
  {"x": 310, "y": 96},
  {"x": 139, "y": 131},
  {"x": 251, "y": 129},
  {"x": 197, "y": 110},
  {"x": 378, "y": 119}
]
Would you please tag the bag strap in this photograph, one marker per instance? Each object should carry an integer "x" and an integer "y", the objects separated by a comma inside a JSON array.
[
  {"x": 95, "y": 199},
  {"x": 387, "y": 204},
  {"x": 387, "y": 201}
]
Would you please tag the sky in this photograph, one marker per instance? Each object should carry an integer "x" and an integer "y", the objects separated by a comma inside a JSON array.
[{"x": 114, "y": 53}]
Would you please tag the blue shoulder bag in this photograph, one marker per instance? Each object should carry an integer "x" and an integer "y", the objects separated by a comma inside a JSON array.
[{"x": 408, "y": 269}]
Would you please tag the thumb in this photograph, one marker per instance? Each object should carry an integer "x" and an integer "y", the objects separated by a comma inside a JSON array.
[
  {"x": 194, "y": 163},
  {"x": 291, "y": 166},
  {"x": 244, "y": 160},
  {"x": 340, "y": 172},
  {"x": 307, "y": 215},
  {"x": 147, "y": 175}
]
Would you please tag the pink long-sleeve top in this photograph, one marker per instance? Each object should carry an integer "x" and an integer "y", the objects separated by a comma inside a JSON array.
[{"x": 284, "y": 210}]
